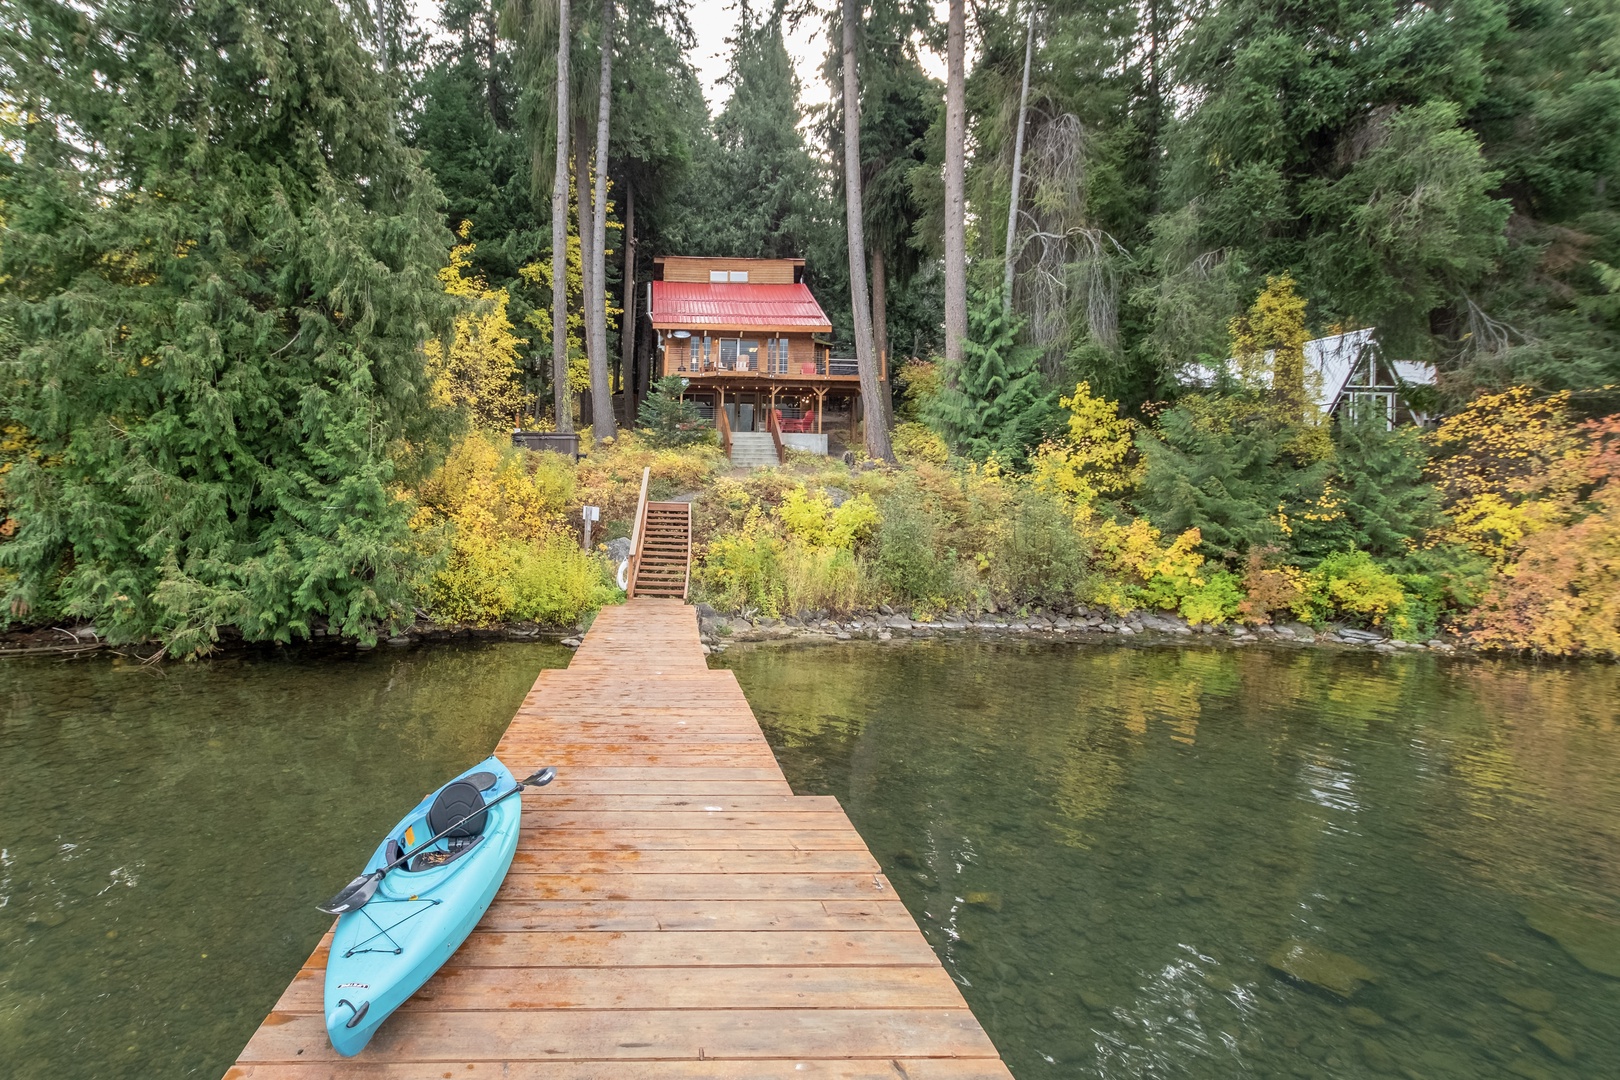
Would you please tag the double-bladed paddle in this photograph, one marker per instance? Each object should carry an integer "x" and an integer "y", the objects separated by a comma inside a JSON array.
[{"x": 356, "y": 893}]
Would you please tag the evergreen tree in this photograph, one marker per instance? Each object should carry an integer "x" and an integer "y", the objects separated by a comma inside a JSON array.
[
  {"x": 1224, "y": 465},
  {"x": 668, "y": 418},
  {"x": 996, "y": 403},
  {"x": 660, "y": 118},
  {"x": 1329, "y": 139},
  {"x": 465, "y": 126},
  {"x": 220, "y": 262},
  {"x": 756, "y": 190},
  {"x": 898, "y": 104},
  {"x": 1377, "y": 499}
]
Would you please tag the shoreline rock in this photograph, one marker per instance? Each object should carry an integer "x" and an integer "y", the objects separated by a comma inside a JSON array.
[{"x": 719, "y": 630}]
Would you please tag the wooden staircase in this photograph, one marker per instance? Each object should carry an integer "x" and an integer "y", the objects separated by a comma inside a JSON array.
[{"x": 661, "y": 548}]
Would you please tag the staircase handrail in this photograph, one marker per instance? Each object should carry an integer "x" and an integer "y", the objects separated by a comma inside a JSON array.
[
  {"x": 776, "y": 433},
  {"x": 725, "y": 429},
  {"x": 635, "y": 534}
]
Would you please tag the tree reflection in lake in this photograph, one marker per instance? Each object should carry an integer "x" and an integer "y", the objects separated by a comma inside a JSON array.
[{"x": 1210, "y": 862}]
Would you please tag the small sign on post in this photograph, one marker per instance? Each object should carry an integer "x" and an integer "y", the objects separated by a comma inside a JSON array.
[{"x": 591, "y": 514}]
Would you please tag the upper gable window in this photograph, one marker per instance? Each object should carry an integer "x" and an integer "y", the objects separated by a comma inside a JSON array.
[
  {"x": 717, "y": 277},
  {"x": 739, "y": 275}
]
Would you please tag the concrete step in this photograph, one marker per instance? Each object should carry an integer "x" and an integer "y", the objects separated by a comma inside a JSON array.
[{"x": 750, "y": 449}]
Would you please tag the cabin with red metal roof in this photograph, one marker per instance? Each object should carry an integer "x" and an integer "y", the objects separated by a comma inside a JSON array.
[{"x": 751, "y": 342}]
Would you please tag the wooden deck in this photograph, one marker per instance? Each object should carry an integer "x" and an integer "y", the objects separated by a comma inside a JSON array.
[{"x": 673, "y": 911}]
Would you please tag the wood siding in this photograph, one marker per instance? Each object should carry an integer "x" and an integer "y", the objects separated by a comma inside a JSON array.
[{"x": 760, "y": 271}]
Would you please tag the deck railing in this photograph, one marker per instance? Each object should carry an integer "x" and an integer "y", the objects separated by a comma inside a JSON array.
[
  {"x": 635, "y": 534},
  {"x": 837, "y": 367},
  {"x": 776, "y": 432}
]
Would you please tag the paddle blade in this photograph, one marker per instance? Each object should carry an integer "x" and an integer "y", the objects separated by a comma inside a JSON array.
[
  {"x": 541, "y": 778},
  {"x": 353, "y": 896}
]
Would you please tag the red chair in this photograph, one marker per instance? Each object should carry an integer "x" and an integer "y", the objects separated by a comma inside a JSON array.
[{"x": 804, "y": 425}]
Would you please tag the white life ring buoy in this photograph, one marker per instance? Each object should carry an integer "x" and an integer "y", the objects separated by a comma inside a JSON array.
[{"x": 624, "y": 574}]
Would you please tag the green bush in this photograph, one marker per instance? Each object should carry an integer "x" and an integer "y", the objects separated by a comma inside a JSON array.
[
  {"x": 909, "y": 561},
  {"x": 1037, "y": 558},
  {"x": 919, "y": 442},
  {"x": 1216, "y": 601},
  {"x": 1227, "y": 468},
  {"x": 743, "y": 569},
  {"x": 821, "y": 579},
  {"x": 556, "y": 583},
  {"x": 486, "y": 580},
  {"x": 1350, "y": 585},
  {"x": 1376, "y": 500}
]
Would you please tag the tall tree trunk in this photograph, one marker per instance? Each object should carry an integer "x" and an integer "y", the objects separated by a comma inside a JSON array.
[
  {"x": 955, "y": 186},
  {"x": 880, "y": 331},
  {"x": 559, "y": 237},
  {"x": 492, "y": 82},
  {"x": 1017, "y": 168},
  {"x": 601, "y": 383},
  {"x": 877, "y": 432},
  {"x": 627, "y": 321},
  {"x": 587, "y": 258}
]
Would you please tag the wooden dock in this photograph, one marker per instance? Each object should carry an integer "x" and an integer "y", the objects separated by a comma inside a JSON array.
[{"x": 673, "y": 911}]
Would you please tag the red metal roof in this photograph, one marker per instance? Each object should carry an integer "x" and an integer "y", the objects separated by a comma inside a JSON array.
[{"x": 689, "y": 305}]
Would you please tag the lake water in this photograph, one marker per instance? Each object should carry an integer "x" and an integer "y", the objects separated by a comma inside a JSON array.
[
  {"x": 1205, "y": 862},
  {"x": 165, "y": 833},
  {"x": 1121, "y": 853}
]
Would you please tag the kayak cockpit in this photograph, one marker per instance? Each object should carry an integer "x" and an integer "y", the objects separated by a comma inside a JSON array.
[{"x": 458, "y": 812}]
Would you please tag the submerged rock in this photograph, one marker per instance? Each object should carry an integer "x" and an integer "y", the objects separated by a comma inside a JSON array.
[
  {"x": 1376, "y": 1056},
  {"x": 990, "y": 900},
  {"x": 1363, "y": 1017},
  {"x": 1530, "y": 999},
  {"x": 1593, "y": 942},
  {"x": 1557, "y": 1043},
  {"x": 1319, "y": 967},
  {"x": 1093, "y": 1001},
  {"x": 1528, "y": 1069}
]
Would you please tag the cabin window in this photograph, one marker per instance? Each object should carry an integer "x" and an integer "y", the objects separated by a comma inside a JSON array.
[
  {"x": 748, "y": 356},
  {"x": 739, "y": 276},
  {"x": 728, "y": 354},
  {"x": 717, "y": 277},
  {"x": 776, "y": 355},
  {"x": 696, "y": 361}
]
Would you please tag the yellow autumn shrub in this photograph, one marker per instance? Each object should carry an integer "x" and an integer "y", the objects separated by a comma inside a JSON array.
[
  {"x": 914, "y": 441},
  {"x": 477, "y": 370},
  {"x": 491, "y": 519},
  {"x": 1508, "y": 466},
  {"x": 1092, "y": 460}
]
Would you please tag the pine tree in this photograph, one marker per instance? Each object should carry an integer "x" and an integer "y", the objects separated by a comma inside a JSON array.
[
  {"x": 995, "y": 403},
  {"x": 220, "y": 262},
  {"x": 755, "y": 190},
  {"x": 669, "y": 418}
]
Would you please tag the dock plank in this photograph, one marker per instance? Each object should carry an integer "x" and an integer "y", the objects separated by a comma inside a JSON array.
[{"x": 674, "y": 911}]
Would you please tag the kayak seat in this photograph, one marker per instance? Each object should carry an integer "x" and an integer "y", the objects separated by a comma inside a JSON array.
[{"x": 455, "y": 801}]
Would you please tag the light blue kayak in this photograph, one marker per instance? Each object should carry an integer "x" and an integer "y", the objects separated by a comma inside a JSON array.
[{"x": 422, "y": 911}]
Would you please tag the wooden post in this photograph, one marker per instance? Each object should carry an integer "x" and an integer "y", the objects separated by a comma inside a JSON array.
[{"x": 821, "y": 406}]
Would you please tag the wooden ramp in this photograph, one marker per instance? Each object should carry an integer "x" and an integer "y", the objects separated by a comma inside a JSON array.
[{"x": 673, "y": 911}]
